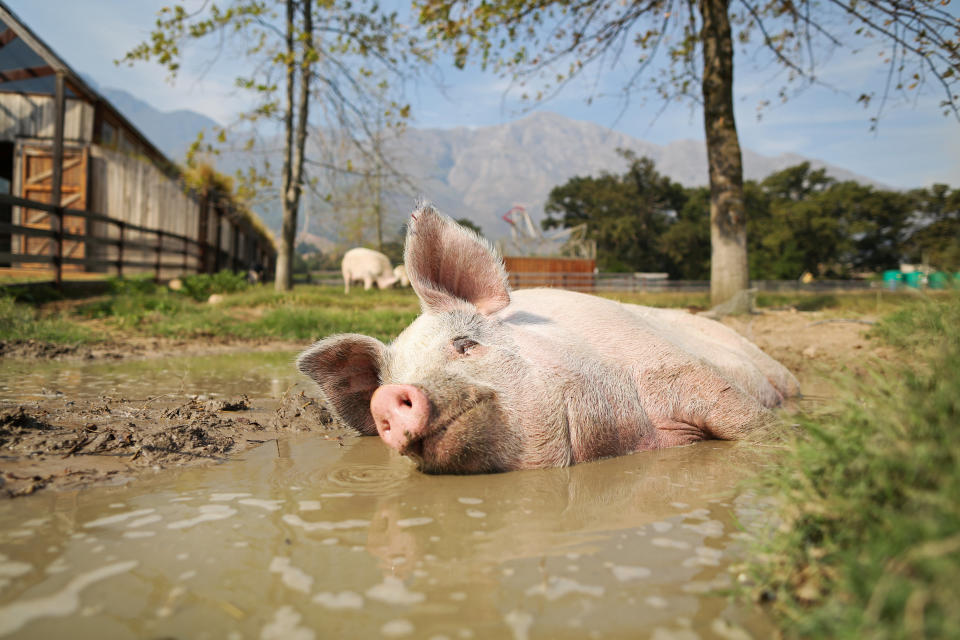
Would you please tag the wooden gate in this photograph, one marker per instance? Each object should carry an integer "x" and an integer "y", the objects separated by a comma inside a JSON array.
[{"x": 36, "y": 173}]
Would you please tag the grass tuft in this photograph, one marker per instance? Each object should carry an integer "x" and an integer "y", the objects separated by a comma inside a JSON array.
[
  {"x": 20, "y": 323},
  {"x": 868, "y": 542}
]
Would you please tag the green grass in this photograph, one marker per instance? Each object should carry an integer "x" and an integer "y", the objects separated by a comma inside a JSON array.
[
  {"x": 306, "y": 313},
  {"x": 139, "y": 306},
  {"x": 20, "y": 322},
  {"x": 868, "y": 494}
]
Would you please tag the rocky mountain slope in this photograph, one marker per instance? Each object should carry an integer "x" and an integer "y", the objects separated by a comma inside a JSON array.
[{"x": 480, "y": 173}]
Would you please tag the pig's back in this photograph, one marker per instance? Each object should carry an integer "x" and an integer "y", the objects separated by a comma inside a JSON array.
[
  {"x": 365, "y": 261},
  {"x": 647, "y": 338}
]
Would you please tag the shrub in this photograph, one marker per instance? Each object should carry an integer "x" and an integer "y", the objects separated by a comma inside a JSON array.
[{"x": 201, "y": 286}]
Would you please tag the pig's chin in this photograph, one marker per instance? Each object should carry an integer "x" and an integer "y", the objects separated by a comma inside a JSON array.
[{"x": 467, "y": 443}]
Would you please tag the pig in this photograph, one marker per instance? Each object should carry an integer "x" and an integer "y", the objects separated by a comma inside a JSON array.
[
  {"x": 488, "y": 380},
  {"x": 367, "y": 265}
]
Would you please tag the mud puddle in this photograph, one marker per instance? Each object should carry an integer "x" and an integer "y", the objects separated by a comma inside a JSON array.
[
  {"x": 256, "y": 374},
  {"x": 65, "y": 424},
  {"x": 313, "y": 538}
]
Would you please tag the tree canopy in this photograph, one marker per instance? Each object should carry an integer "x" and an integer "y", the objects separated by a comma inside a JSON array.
[
  {"x": 316, "y": 67},
  {"x": 685, "y": 49},
  {"x": 800, "y": 220}
]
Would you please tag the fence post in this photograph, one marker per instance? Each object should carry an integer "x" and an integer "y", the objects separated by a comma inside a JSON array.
[
  {"x": 59, "y": 101},
  {"x": 186, "y": 247},
  {"x": 159, "y": 253},
  {"x": 58, "y": 258},
  {"x": 120, "y": 251},
  {"x": 219, "y": 231}
]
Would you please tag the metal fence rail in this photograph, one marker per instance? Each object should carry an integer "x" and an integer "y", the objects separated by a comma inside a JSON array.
[{"x": 630, "y": 283}]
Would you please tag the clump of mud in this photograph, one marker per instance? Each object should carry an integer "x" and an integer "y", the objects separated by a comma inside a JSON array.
[
  {"x": 38, "y": 350},
  {"x": 63, "y": 443}
]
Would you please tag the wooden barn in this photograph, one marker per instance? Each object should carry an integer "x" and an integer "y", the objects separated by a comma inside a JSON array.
[{"x": 101, "y": 196}]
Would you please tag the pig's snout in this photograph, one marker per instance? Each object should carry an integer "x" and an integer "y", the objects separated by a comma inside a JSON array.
[{"x": 401, "y": 412}]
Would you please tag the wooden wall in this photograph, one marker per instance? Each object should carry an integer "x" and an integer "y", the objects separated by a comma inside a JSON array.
[
  {"x": 31, "y": 116},
  {"x": 573, "y": 273},
  {"x": 131, "y": 188}
]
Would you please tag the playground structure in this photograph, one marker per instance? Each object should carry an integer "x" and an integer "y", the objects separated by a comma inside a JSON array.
[{"x": 527, "y": 240}]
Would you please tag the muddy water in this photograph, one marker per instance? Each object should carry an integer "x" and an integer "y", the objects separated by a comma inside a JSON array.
[
  {"x": 264, "y": 374},
  {"x": 317, "y": 539}
]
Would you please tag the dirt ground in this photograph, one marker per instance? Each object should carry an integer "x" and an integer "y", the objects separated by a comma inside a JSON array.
[{"x": 61, "y": 443}]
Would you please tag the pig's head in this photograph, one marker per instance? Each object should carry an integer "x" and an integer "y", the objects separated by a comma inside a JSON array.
[{"x": 445, "y": 392}]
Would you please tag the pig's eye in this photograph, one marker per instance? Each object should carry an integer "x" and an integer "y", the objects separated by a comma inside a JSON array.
[{"x": 463, "y": 345}]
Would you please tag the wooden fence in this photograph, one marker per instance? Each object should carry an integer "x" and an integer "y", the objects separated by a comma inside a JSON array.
[{"x": 152, "y": 249}]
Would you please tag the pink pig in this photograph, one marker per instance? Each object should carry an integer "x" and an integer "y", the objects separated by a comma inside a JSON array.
[{"x": 489, "y": 380}]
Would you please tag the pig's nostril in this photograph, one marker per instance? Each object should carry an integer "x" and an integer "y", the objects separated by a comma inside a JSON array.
[{"x": 406, "y": 402}]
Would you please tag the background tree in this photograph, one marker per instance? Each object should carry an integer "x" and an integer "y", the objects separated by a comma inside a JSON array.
[
  {"x": 793, "y": 228},
  {"x": 469, "y": 224},
  {"x": 686, "y": 243},
  {"x": 800, "y": 220},
  {"x": 625, "y": 214},
  {"x": 544, "y": 43},
  {"x": 315, "y": 66},
  {"x": 935, "y": 234}
]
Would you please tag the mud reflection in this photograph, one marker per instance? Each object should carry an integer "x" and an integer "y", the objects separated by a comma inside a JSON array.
[{"x": 325, "y": 539}]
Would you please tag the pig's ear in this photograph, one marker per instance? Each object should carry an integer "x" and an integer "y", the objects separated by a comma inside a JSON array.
[
  {"x": 448, "y": 265},
  {"x": 347, "y": 368}
]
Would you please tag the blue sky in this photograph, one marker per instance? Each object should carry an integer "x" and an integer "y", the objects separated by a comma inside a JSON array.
[{"x": 915, "y": 145}]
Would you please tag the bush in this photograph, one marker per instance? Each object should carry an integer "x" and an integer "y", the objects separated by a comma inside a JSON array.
[
  {"x": 201, "y": 286},
  {"x": 142, "y": 284}
]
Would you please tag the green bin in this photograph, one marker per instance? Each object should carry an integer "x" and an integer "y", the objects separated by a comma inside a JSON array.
[
  {"x": 913, "y": 279},
  {"x": 892, "y": 278},
  {"x": 937, "y": 280}
]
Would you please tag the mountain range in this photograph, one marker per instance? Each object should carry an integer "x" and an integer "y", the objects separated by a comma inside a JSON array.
[{"x": 480, "y": 173}]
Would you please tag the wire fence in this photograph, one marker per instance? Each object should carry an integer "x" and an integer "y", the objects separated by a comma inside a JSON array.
[{"x": 630, "y": 283}]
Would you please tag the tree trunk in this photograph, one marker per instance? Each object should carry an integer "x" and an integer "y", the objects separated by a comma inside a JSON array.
[
  {"x": 288, "y": 231},
  {"x": 728, "y": 222},
  {"x": 378, "y": 208}
]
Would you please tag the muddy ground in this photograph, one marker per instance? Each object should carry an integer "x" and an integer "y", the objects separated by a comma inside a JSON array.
[
  {"x": 59, "y": 442},
  {"x": 62, "y": 443}
]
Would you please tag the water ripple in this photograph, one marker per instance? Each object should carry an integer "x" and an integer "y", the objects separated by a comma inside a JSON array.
[{"x": 368, "y": 478}]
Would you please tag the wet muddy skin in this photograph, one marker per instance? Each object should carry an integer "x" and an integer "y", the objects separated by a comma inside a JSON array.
[{"x": 317, "y": 538}]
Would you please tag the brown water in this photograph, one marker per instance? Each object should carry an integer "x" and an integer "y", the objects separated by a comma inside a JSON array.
[
  {"x": 258, "y": 374},
  {"x": 318, "y": 539}
]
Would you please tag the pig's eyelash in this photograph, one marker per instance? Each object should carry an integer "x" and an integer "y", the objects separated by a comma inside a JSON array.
[{"x": 463, "y": 344}]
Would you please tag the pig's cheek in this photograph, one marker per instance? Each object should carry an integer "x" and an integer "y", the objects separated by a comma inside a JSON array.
[{"x": 481, "y": 444}]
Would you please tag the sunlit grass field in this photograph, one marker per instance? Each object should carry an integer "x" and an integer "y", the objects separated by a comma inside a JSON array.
[{"x": 137, "y": 306}]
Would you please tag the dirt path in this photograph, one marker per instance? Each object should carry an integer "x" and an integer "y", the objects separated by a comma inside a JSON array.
[{"x": 61, "y": 442}]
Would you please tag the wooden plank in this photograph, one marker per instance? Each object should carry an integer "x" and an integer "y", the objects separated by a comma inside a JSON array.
[
  {"x": 56, "y": 179},
  {"x": 44, "y": 175},
  {"x": 36, "y": 184},
  {"x": 12, "y": 75},
  {"x": 8, "y": 36}
]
